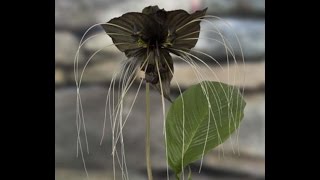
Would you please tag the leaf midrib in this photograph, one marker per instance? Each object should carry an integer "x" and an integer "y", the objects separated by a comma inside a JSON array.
[{"x": 192, "y": 136}]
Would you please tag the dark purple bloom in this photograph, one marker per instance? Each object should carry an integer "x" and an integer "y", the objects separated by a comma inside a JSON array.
[{"x": 151, "y": 36}]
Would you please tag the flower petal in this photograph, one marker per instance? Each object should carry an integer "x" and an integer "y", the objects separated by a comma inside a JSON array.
[
  {"x": 150, "y": 10},
  {"x": 165, "y": 74},
  {"x": 187, "y": 25},
  {"x": 152, "y": 72},
  {"x": 128, "y": 29}
]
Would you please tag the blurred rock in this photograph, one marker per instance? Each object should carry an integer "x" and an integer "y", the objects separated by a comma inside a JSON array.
[
  {"x": 253, "y": 122},
  {"x": 66, "y": 45},
  {"x": 66, "y": 133},
  {"x": 104, "y": 15},
  {"x": 251, "y": 34},
  {"x": 100, "y": 71},
  {"x": 254, "y": 74},
  {"x": 254, "y": 167},
  {"x": 73, "y": 14},
  {"x": 93, "y": 100},
  {"x": 247, "y": 153},
  {"x": 239, "y": 7},
  {"x": 103, "y": 43},
  {"x": 59, "y": 77},
  {"x": 69, "y": 174},
  {"x": 77, "y": 15},
  {"x": 102, "y": 67}
]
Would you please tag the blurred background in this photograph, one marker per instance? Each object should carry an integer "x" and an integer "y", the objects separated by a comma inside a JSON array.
[{"x": 74, "y": 17}]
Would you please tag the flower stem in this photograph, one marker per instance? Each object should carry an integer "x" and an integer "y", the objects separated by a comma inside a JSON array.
[{"x": 148, "y": 160}]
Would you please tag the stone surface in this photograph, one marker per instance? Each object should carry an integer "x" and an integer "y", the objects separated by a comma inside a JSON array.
[
  {"x": 73, "y": 14},
  {"x": 253, "y": 122},
  {"x": 59, "y": 77},
  {"x": 240, "y": 7},
  {"x": 69, "y": 174},
  {"x": 251, "y": 34},
  {"x": 255, "y": 167},
  {"x": 250, "y": 143},
  {"x": 102, "y": 67},
  {"x": 66, "y": 45},
  {"x": 254, "y": 75},
  {"x": 93, "y": 99},
  {"x": 79, "y": 15},
  {"x": 100, "y": 70},
  {"x": 101, "y": 41}
]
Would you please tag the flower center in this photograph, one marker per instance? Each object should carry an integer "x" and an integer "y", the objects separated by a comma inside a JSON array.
[{"x": 156, "y": 40}]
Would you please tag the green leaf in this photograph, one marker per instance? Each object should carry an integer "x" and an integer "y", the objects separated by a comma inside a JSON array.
[{"x": 209, "y": 119}]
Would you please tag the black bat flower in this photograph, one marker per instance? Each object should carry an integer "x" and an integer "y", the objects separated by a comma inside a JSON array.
[{"x": 151, "y": 36}]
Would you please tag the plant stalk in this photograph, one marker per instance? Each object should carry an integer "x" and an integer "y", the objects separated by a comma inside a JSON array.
[{"x": 148, "y": 159}]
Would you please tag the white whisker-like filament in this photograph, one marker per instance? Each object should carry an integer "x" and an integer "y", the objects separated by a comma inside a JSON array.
[
  {"x": 228, "y": 74},
  {"x": 124, "y": 91},
  {"x": 79, "y": 108},
  {"x": 162, "y": 101},
  {"x": 232, "y": 53},
  {"x": 184, "y": 53},
  {"x": 194, "y": 32},
  {"x": 195, "y": 20},
  {"x": 118, "y": 121},
  {"x": 126, "y": 84},
  {"x": 76, "y": 59},
  {"x": 132, "y": 104},
  {"x": 112, "y": 112},
  {"x": 209, "y": 57},
  {"x": 204, "y": 90},
  {"x": 226, "y": 48},
  {"x": 92, "y": 57},
  {"x": 243, "y": 70},
  {"x": 79, "y": 96},
  {"x": 183, "y": 124},
  {"x": 207, "y": 38}
]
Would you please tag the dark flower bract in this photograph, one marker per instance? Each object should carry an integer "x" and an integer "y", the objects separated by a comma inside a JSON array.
[{"x": 151, "y": 36}]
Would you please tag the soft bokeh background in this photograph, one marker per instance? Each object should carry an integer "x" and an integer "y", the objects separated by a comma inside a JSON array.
[{"x": 73, "y": 17}]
